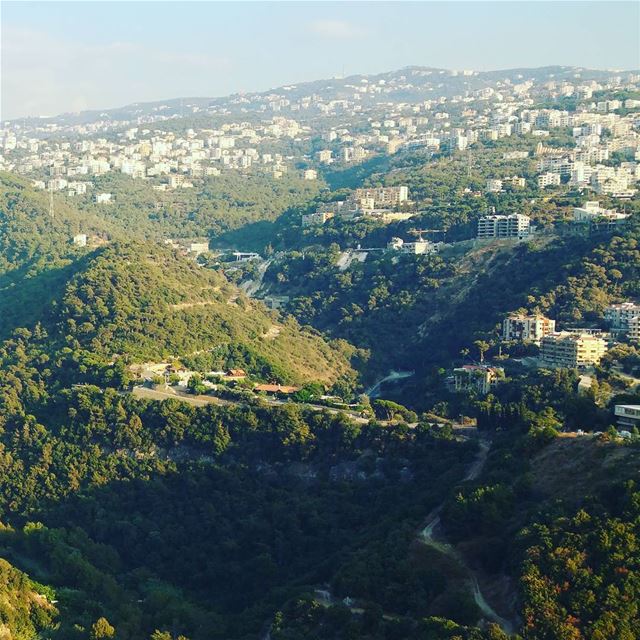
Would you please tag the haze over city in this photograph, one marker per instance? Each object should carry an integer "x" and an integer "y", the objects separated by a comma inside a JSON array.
[{"x": 70, "y": 56}]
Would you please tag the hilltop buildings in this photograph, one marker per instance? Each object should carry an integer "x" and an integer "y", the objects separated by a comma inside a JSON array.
[{"x": 378, "y": 202}]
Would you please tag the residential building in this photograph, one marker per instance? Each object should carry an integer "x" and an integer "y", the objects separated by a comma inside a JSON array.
[
  {"x": 628, "y": 416},
  {"x": 275, "y": 389},
  {"x": 478, "y": 378},
  {"x": 494, "y": 186},
  {"x": 618, "y": 316},
  {"x": 416, "y": 248},
  {"x": 633, "y": 331},
  {"x": 572, "y": 350},
  {"x": 197, "y": 248},
  {"x": 382, "y": 196},
  {"x": 324, "y": 156},
  {"x": 515, "y": 225},
  {"x": 527, "y": 328},
  {"x": 80, "y": 240},
  {"x": 595, "y": 216},
  {"x": 548, "y": 180},
  {"x": 316, "y": 218}
]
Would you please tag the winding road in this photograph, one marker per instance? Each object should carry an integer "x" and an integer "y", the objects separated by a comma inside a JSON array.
[
  {"x": 374, "y": 391},
  {"x": 428, "y": 536},
  {"x": 251, "y": 287}
]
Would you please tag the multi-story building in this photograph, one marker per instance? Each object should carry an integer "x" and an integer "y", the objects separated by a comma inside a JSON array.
[
  {"x": 383, "y": 196},
  {"x": 628, "y": 416},
  {"x": 478, "y": 378},
  {"x": 527, "y": 328},
  {"x": 572, "y": 350},
  {"x": 515, "y": 225},
  {"x": 618, "y": 316},
  {"x": 633, "y": 331},
  {"x": 316, "y": 218},
  {"x": 494, "y": 186},
  {"x": 548, "y": 180},
  {"x": 324, "y": 156}
]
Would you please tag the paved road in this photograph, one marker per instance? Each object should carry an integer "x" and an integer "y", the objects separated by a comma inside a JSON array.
[
  {"x": 147, "y": 393},
  {"x": 158, "y": 394}
]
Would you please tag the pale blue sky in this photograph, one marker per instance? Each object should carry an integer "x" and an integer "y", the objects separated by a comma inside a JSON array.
[{"x": 67, "y": 56}]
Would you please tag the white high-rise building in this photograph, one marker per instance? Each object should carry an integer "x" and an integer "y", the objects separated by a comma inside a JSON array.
[{"x": 515, "y": 225}]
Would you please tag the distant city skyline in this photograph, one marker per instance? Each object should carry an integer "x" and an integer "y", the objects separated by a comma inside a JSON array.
[{"x": 70, "y": 56}]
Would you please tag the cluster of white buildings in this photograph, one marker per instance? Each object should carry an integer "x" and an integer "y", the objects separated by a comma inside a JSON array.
[
  {"x": 596, "y": 138},
  {"x": 576, "y": 348},
  {"x": 387, "y": 204},
  {"x": 171, "y": 161},
  {"x": 299, "y": 131}
]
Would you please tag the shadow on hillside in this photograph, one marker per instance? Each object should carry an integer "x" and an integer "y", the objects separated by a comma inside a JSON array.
[
  {"x": 354, "y": 176},
  {"x": 254, "y": 236},
  {"x": 27, "y": 299}
]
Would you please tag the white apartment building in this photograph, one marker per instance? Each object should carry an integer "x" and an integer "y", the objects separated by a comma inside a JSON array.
[
  {"x": 619, "y": 316},
  {"x": 418, "y": 247},
  {"x": 382, "y": 196},
  {"x": 527, "y": 328},
  {"x": 494, "y": 186},
  {"x": 548, "y": 180},
  {"x": 628, "y": 416},
  {"x": 515, "y": 225}
]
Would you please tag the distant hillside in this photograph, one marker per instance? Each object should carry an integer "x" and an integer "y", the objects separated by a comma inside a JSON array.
[{"x": 448, "y": 81}]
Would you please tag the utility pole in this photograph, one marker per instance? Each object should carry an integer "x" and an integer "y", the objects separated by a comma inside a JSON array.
[{"x": 51, "y": 211}]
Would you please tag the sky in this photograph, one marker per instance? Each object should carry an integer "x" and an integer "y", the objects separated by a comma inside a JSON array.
[{"x": 70, "y": 56}]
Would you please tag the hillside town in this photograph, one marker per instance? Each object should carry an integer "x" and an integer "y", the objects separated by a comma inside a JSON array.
[{"x": 176, "y": 146}]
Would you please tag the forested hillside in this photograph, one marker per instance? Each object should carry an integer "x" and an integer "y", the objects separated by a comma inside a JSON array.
[{"x": 292, "y": 497}]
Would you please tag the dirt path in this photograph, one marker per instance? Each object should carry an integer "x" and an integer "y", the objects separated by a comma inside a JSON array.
[
  {"x": 190, "y": 305},
  {"x": 433, "y": 536}
]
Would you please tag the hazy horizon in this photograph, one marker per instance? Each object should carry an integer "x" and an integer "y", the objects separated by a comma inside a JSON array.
[{"x": 60, "y": 57}]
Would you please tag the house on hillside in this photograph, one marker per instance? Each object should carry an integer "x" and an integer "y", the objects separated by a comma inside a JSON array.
[
  {"x": 275, "y": 389},
  {"x": 476, "y": 377}
]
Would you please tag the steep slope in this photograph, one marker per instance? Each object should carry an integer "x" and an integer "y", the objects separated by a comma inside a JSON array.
[
  {"x": 139, "y": 300},
  {"x": 146, "y": 302},
  {"x": 37, "y": 255},
  {"x": 25, "y": 610}
]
